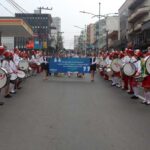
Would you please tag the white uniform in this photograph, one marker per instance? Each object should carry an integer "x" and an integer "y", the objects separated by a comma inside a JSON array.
[
  {"x": 16, "y": 59},
  {"x": 6, "y": 66}
]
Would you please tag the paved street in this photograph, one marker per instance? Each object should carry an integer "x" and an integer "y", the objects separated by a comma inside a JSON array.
[{"x": 73, "y": 114}]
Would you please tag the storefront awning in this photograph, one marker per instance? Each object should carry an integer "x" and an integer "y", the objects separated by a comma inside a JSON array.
[{"x": 15, "y": 27}]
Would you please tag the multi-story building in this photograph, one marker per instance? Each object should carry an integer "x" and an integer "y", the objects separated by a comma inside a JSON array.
[
  {"x": 41, "y": 26},
  {"x": 123, "y": 23},
  {"x": 83, "y": 42},
  {"x": 91, "y": 36},
  {"x": 139, "y": 23},
  {"x": 108, "y": 25},
  {"x": 76, "y": 43},
  {"x": 112, "y": 28},
  {"x": 56, "y": 32}
]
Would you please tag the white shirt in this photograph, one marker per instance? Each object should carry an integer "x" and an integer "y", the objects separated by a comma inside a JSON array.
[
  {"x": 126, "y": 59},
  {"x": 13, "y": 66},
  {"x": 16, "y": 59}
]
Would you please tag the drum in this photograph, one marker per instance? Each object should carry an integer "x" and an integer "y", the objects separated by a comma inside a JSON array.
[
  {"x": 147, "y": 64},
  {"x": 21, "y": 74},
  {"x": 116, "y": 65},
  {"x": 109, "y": 71},
  {"x": 23, "y": 65},
  {"x": 3, "y": 77},
  {"x": 13, "y": 77},
  {"x": 129, "y": 69}
]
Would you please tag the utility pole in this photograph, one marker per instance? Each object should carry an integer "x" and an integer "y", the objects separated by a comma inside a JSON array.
[{"x": 44, "y": 8}]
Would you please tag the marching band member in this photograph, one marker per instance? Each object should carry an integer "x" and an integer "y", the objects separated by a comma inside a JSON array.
[
  {"x": 2, "y": 49},
  {"x": 16, "y": 57},
  {"x": 121, "y": 56},
  {"x": 125, "y": 78},
  {"x": 33, "y": 62},
  {"x": 116, "y": 75},
  {"x": 6, "y": 66},
  {"x": 14, "y": 71},
  {"x": 108, "y": 62},
  {"x": 137, "y": 62},
  {"x": 132, "y": 58},
  {"x": 146, "y": 81}
]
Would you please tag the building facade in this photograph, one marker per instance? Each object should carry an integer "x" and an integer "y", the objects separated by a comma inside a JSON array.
[
  {"x": 112, "y": 29},
  {"x": 139, "y": 23},
  {"x": 123, "y": 23},
  {"x": 41, "y": 26},
  {"x": 76, "y": 43},
  {"x": 56, "y": 34},
  {"x": 91, "y": 37}
]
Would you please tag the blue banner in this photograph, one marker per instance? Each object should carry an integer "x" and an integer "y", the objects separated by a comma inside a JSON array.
[{"x": 64, "y": 65}]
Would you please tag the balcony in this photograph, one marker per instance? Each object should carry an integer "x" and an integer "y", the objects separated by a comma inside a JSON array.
[
  {"x": 113, "y": 34},
  {"x": 135, "y": 3},
  {"x": 130, "y": 31},
  {"x": 139, "y": 13},
  {"x": 138, "y": 27}
]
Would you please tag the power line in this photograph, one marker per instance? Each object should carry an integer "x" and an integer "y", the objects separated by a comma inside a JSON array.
[
  {"x": 11, "y": 3},
  {"x": 16, "y": 6},
  {"x": 6, "y": 9}
]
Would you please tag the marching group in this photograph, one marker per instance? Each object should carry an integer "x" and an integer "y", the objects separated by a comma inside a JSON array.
[
  {"x": 17, "y": 65},
  {"x": 128, "y": 69}
]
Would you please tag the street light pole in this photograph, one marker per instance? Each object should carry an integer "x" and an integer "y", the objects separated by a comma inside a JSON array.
[
  {"x": 99, "y": 25},
  {"x": 85, "y": 40}
]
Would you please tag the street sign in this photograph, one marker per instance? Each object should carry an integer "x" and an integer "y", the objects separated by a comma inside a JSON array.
[{"x": 64, "y": 65}]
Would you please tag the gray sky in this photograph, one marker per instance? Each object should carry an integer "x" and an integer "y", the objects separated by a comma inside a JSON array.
[{"x": 68, "y": 11}]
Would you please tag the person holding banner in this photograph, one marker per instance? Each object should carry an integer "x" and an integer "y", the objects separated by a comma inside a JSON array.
[
  {"x": 93, "y": 66},
  {"x": 45, "y": 66}
]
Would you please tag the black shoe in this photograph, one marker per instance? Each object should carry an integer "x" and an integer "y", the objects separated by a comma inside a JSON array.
[
  {"x": 130, "y": 92},
  {"x": 134, "y": 97},
  {"x": 147, "y": 103},
  {"x": 143, "y": 102},
  {"x": 8, "y": 96},
  {"x": 1, "y": 103}
]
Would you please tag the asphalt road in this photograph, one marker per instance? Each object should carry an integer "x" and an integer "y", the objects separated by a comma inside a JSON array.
[{"x": 73, "y": 114}]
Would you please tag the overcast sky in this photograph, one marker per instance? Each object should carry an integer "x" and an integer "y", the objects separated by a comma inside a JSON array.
[{"x": 68, "y": 11}]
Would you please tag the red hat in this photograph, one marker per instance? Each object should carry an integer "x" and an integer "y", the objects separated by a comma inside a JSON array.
[
  {"x": 115, "y": 54},
  {"x": 2, "y": 49},
  {"x": 11, "y": 54},
  {"x": 130, "y": 52},
  {"x": 7, "y": 54},
  {"x": 138, "y": 53},
  {"x": 121, "y": 55},
  {"x": 33, "y": 52}
]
